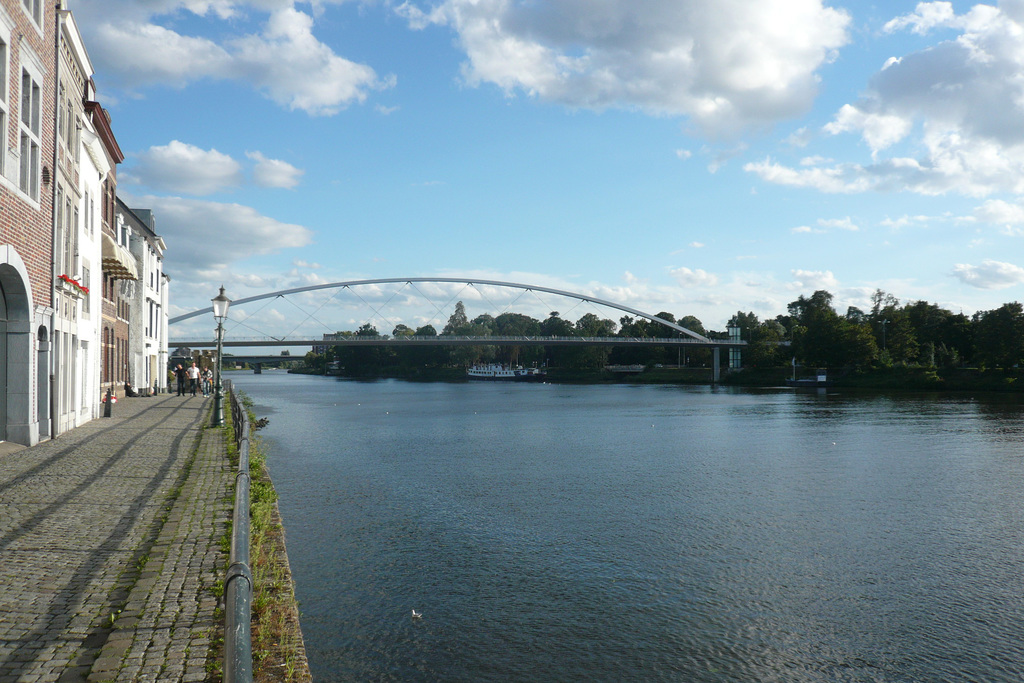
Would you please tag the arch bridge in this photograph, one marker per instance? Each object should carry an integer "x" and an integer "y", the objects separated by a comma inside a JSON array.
[{"x": 687, "y": 336}]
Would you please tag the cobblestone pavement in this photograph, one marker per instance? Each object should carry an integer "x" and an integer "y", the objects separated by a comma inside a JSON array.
[{"x": 109, "y": 547}]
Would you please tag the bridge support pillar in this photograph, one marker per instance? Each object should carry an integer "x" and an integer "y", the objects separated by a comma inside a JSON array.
[{"x": 716, "y": 366}]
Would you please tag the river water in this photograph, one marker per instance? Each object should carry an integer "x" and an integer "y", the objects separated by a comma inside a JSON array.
[{"x": 644, "y": 533}]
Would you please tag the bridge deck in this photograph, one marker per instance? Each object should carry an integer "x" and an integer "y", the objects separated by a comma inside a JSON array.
[{"x": 464, "y": 341}]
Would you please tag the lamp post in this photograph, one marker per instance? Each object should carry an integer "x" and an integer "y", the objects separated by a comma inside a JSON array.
[{"x": 221, "y": 303}]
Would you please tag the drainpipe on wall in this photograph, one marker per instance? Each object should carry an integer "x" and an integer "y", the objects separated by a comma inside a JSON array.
[{"x": 57, "y": 20}]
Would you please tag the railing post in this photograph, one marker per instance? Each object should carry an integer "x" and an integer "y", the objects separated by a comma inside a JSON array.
[{"x": 238, "y": 583}]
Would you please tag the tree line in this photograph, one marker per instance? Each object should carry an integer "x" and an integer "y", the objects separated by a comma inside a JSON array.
[{"x": 812, "y": 331}]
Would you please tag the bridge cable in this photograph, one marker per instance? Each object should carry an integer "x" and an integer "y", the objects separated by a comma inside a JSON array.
[
  {"x": 484, "y": 296},
  {"x": 437, "y": 308},
  {"x": 251, "y": 316},
  {"x": 457, "y": 295},
  {"x": 512, "y": 303},
  {"x": 544, "y": 304},
  {"x": 313, "y": 314},
  {"x": 374, "y": 309},
  {"x": 239, "y": 323},
  {"x": 391, "y": 298}
]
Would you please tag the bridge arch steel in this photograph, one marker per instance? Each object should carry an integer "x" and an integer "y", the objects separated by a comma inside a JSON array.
[{"x": 450, "y": 280}]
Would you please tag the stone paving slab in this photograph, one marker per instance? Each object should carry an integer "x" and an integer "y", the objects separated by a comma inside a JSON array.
[{"x": 109, "y": 547}]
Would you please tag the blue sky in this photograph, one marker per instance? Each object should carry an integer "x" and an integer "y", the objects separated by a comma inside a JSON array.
[{"x": 685, "y": 156}]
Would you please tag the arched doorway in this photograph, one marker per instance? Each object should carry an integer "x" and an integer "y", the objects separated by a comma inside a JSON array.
[{"x": 18, "y": 413}]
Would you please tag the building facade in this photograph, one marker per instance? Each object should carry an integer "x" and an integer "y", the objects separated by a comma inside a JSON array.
[
  {"x": 73, "y": 393},
  {"x": 119, "y": 272},
  {"x": 147, "y": 324},
  {"x": 27, "y": 187},
  {"x": 83, "y": 296}
]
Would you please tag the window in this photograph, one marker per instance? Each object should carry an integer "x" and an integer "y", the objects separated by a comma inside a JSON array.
[
  {"x": 87, "y": 285},
  {"x": 66, "y": 244},
  {"x": 30, "y": 116},
  {"x": 4, "y": 52},
  {"x": 34, "y": 9},
  {"x": 59, "y": 237},
  {"x": 74, "y": 237}
]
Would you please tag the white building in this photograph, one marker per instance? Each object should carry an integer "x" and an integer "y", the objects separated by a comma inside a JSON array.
[
  {"x": 75, "y": 244},
  {"x": 96, "y": 164},
  {"x": 147, "y": 324}
]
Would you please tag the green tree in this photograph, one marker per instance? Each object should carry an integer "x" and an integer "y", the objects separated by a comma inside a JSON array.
[
  {"x": 457, "y": 321},
  {"x": 518, "y": 325},
  {"x": 1000, "y": 335},
  {"x": 821, "y": 337},
  {"x": 765, "y": 349},
  {"x": 747, "y": 322}
]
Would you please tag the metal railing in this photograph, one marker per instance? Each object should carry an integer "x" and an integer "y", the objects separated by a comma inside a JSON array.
[{"x": 238, "y": 583}]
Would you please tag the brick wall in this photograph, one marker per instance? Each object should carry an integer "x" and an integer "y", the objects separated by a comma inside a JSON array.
[{"x": 26, "y": 224}]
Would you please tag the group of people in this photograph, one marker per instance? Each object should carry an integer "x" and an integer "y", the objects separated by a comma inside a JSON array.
[{"x": 194, "y": 378}]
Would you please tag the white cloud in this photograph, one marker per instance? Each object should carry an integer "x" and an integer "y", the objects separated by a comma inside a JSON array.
[
  {"x": 840, "y": 223},
  {"x": 841, "y": 178},
  {"x": 879, "y": 130},
  {"x": 813, "y": 280},
  {"x": 274, "y": 172},
  {"x": 989, "y": 275},
  {"x": 926, "y": 16},
  {"x": 697, "y": 245},
  {"x": 693, "y": 278},
  {"x": 998, "y": 212},
  {"x": 298, "y": 71},
  {"x": 806, "y": 229},
  {"x": 726, "y": 65},
  {"x": 185, "y": 168},
  {"x": 241, "y": 232},
  {"x": 285, "y": 61},
  {"x": 956, "y": 105}
]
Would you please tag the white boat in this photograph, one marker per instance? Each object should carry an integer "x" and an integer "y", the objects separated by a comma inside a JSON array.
[{"x": 499, "y": 371}]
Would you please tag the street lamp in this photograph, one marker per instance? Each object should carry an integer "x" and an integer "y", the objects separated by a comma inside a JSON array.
[{"x": 221, "y": 303}]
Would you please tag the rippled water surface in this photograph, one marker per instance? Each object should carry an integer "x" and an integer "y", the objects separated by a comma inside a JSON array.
[{"x": 640, "y": 533}]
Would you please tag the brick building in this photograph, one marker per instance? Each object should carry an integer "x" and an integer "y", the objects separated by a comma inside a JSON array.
[{"x": 27, "y": 65}]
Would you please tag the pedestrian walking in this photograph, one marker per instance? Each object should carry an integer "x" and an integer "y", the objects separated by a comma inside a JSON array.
[
  {"x": 193, "y": 377},
  {"x": 181, "y": 376}
]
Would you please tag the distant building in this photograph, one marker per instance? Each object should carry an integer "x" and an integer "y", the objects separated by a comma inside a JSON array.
[
  {"x": 148, "y": 310},
  {"x": 332, "y": 336},
  {"x": 96, "y": 164},
  {"x": 119, "y": 269}
]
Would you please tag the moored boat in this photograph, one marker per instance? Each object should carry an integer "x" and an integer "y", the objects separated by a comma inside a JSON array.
[{"x": 499, "y": 371}]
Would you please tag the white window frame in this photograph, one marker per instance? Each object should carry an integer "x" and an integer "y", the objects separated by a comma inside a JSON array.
[
  {"x": 5, "y": 107},
  {"x": 34, "y": 10},
  {"x": 30, "y": 132}
]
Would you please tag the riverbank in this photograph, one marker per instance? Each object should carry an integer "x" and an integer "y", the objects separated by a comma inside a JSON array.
[{"x": 279, "y": 652}]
